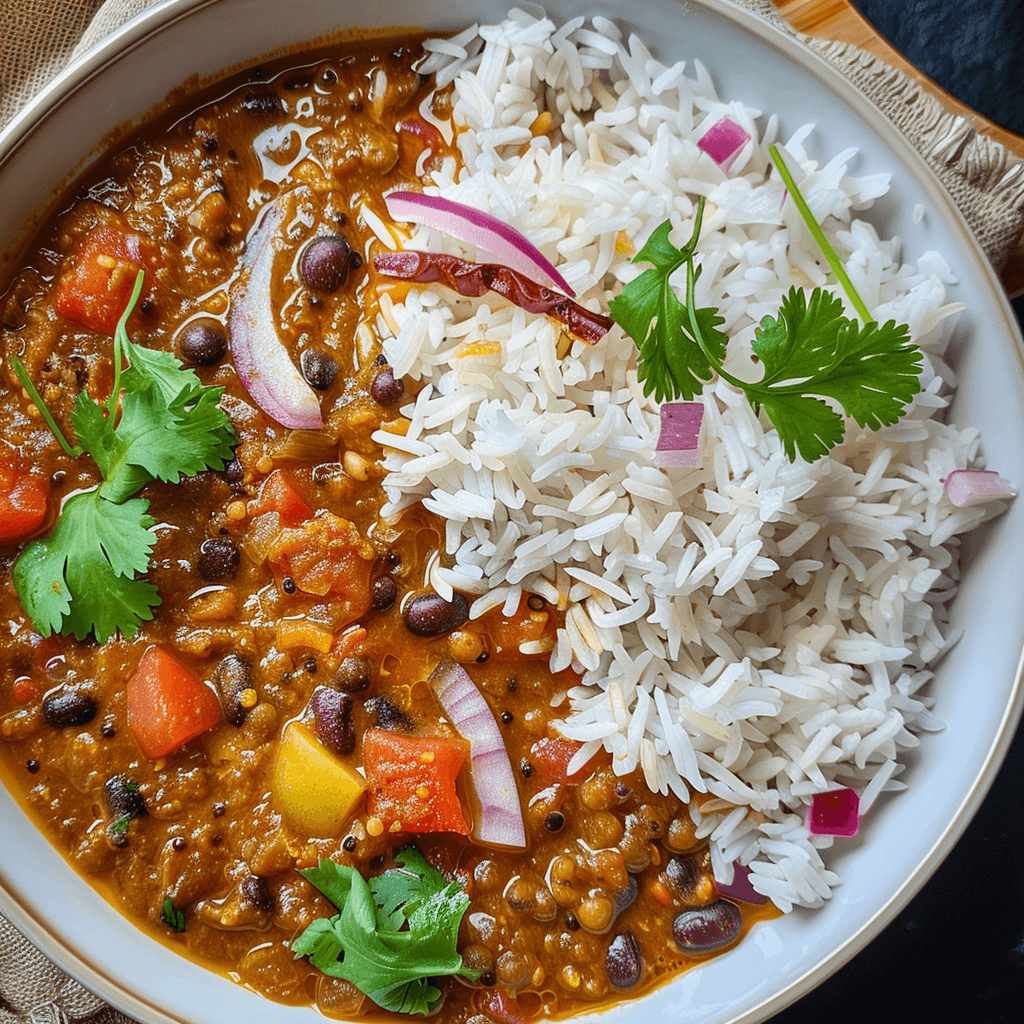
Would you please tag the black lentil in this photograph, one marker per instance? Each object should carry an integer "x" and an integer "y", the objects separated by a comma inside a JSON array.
[{"x": 555, "y": 821}]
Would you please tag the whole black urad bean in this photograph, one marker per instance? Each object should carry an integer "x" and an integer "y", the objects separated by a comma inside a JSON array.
[
  {"x": 704, "y": 929},
  {"x": 389, "y": 715},
  {"x": 332, "y": 715},
  {"x": 385, "y": 593},
  {"x": 256, "y": 892},
  {"x": 203, "y": 343},
  {"x": 123, "y": 798},
  {"x": 325, "y": 262},
  {"x": 68, "y": 707},
  {"x": 386, "y": 388},
  {"x": 624, "y": 963},
  {"x": 319, "y": 368},
  {"x": 432, "y": 615},
  {"x": 218, "y": 560},
  {"x": 232, "y": 676},
  {"x": 681, "y": 876},
  {"x": 353, "y": 675}
]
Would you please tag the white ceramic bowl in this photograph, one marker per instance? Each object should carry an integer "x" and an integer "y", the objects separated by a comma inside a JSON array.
[{"x": 979, "y": 685}]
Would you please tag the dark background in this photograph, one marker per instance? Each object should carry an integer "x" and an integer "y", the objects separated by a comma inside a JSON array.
[{"x": 957, "y": 950}]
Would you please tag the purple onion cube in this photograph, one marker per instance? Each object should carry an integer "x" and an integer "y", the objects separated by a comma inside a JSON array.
[
  {"x": 679, "y": 439},
  {"x": 834, "y": 813},
  {"x": 740, "y": 888}
]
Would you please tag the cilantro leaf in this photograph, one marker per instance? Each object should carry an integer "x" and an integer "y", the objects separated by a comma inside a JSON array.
[
  {"x": 193, "y": 404},
  {"x": 172, "y": 916},
  {"x": 80, "y": 578},
  {"x": 96, "y": 433},
  {"x": 811, "y": 352},
  {"x": 401, "y": 891},
  {"x": 159, "y": 423},
  {"x": 392, "y": 935},
  {"x": 811, "y": 349},
  {"x": 673, "y": 363}
]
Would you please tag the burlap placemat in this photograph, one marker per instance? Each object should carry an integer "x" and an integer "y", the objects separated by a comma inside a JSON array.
[{"x": 39, "y": 37}]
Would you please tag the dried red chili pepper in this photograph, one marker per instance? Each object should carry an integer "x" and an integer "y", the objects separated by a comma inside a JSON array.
[{"x": 473, "y": 279}]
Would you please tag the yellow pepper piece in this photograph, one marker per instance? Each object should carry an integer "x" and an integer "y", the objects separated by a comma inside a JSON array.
[{"x": 313, "y": 788}]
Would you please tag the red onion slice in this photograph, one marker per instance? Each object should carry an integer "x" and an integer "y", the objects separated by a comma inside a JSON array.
[
  {"x": 723, "y": 142},
  {"x": 500, "y": 821},
  {"x": 679, "y": 440},
  {"x": 478, "y": 229},
  {"x": 261, "y": 360},
  {"x": 975, "y": 486}
]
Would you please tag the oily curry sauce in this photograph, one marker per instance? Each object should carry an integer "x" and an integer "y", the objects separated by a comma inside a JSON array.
[{"x": 279, "y": 581}]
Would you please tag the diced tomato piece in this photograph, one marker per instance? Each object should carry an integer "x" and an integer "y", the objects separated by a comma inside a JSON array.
[
  {"x": 167, "y": 705},
  {"x": 415, "y": 137},
  {"x": 24, "y": 689},
  {"x": 502, "y": 1007},
  {"x": 279, "y": 494},
  {"x": 23, "y": 498},
  {"x": 412, "y": 781},
  {"x": 326, "y": 555},
  {"x": 95, "y": 287},
  {"x": 551, "y": 755}
]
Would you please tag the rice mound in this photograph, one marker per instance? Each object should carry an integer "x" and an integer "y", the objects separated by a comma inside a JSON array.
[{"x": 750, "y": 632}]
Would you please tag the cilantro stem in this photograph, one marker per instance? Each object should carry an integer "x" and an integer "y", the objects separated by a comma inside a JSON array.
[
  {"x": 37, "y": 401},
  {"x": 120, "y": 339},
  {"x": 819, "y": 236}
]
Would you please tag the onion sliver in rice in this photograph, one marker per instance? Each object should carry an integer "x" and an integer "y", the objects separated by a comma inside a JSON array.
[{"x": 749, "y": 631}]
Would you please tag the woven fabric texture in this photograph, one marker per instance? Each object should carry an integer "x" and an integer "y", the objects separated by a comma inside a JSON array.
[{"x": 39, "y": 37}]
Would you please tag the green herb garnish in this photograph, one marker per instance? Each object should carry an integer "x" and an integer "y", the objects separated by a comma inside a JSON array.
[
  {"x": 120, "y": 825},
  {"x": 810, "y": 350},
  {"x": 172, "y": 916},
  {"x": 159, "y": 423},
  {"x": 392, "y": 934}
]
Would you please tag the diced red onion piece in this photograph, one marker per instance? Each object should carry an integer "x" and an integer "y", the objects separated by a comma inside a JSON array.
[
  {"x": 501, "y": 816},
  {"x": 723, "y": 142},
  {"x": 740, "y": 888},
  {"x": 835, "y": 812},
  {"x": 679, "y": 440},
  {"x": 477, "y": 229},
  {"x": 261, "y": 360},
  {"x": 975, "y": 486}
]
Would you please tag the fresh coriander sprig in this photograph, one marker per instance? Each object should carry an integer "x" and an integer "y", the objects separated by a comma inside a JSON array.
[
  {"x": 811, "y": 353},
  {"x": 391, "y": 935},
  {"x": 37, "y": 400},
  {"x": 818, "y": 235},
  {"x": 158, "y": 423}
]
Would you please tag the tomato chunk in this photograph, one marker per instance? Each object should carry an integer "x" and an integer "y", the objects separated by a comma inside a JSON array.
[
  {"x": 279, "y": 494},
  {"x": 551, "y": 755},
  {"x": 23, "y": 498},
  {"x": 95, "y": 287},
  {"x": 417, "y": 136},
  {"x": 326, "y": 555},
  {"x": 167, "y": 705},
  {"x": 412, "y": 781}
]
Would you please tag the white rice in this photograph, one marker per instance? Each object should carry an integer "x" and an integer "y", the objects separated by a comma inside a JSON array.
[{"x": 752, "y": 631}]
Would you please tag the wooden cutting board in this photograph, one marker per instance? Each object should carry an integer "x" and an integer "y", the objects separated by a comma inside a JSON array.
[{"x": 840, "y": 21}]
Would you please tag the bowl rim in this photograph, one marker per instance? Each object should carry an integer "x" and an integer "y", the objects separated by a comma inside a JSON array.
[{"x": 164, "y": 14}]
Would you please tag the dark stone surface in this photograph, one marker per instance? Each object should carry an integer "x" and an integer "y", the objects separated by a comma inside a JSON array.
[
  {"x": 974, "y": 49},
  {"x": 956, "y": 952}
]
